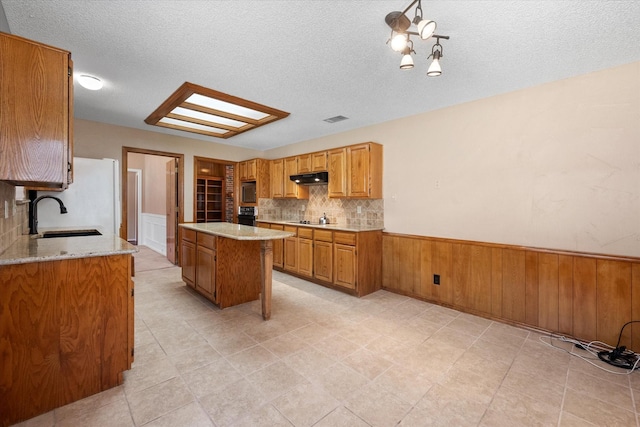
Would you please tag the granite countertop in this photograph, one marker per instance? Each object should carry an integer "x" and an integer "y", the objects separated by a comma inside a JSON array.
[
  {"x": 340, "y": 227},
  {"x": 237, "y": 231},
  {"x": 33, "y": 249}
]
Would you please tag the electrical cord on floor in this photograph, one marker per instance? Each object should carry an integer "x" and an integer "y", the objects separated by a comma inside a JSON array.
[{"x": 618, "y": 356}]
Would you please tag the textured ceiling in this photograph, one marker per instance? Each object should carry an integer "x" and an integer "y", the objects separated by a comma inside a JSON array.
[{"x": 318, "y": 59}]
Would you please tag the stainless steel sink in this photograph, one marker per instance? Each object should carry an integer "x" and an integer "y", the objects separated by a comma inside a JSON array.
[{"x": 70, "y": 233}]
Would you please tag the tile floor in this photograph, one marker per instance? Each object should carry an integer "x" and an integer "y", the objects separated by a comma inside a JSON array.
[{"x": 328, "y": 359}]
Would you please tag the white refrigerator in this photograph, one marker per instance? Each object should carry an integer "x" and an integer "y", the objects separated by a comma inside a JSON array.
[{"x": 92, "y": 200}]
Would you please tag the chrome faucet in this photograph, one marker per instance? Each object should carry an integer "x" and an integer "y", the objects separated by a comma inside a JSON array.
[{"x": 33, "y": 212}]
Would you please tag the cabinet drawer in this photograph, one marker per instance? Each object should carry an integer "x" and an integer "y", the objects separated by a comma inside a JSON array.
[
  {"x": 324, "y": 235},
  {"x": 263, "y": 225},
  {"x": 345, "y": 238},
  {"x": 277, "y": 227},
  {"x": 207, "y": 240},
  {"x": 305, "y": 233},
  {"x": 189, "y": 235},
  {"x": 290, "y": 229}
]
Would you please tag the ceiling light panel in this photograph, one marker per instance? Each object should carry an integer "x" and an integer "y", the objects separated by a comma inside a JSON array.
[{"x": 198, "y": 109}]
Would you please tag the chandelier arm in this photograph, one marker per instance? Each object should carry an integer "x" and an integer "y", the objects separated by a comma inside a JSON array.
[{"x": 411, "y": 5}]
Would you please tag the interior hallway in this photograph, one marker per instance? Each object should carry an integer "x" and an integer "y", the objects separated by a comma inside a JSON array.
[{"x": 330, "y": 359}]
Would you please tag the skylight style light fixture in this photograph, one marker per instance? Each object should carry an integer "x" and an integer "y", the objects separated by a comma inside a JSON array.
[
  {"x": 197, "y": 109},
  {"x": 424, "y": 28}
]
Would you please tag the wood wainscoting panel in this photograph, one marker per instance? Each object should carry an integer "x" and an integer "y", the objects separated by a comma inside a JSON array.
[
  {"x": 565, "y": 293},
  {"x": 635, "y": 305},
  {"x": 513, "y": 288},
  {"x": 587, "y": 296},
  {"x": 613, "y": 281},
  {"x": 548, "y": 291},
  {"x": 496, "y": 282}
]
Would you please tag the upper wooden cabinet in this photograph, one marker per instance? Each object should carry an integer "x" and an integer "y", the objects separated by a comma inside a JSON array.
[
  {"x": 277, "y": 178},
  {"x": 364, "y": 166},
  {"x": 255, "y": 170},
  {"x": 356, "y": 171},
  {"x": 312, "y": 162},
  {"x": 36, "y": 113},
  {"x": 281, "y": 185},
  {"x": 337, "y": 160},
  {"x": 248, "y": 170}
]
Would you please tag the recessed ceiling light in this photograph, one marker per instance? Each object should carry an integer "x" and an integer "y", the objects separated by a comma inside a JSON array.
[
  {"x": 197, "y": 109},
  {"x": 89, "y": 82}
]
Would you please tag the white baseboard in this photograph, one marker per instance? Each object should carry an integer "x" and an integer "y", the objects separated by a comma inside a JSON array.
[{"x": 153, "y": 233}]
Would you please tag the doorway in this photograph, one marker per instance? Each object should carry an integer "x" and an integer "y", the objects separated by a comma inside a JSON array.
[
  {"x": 177, "y": 215},
  {"x": 134, "y": 207}
]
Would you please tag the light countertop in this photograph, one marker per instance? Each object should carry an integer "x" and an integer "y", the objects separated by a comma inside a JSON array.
[
  {"x": 237, "y": 231},
  {"x": 28, "y": 249},
  {"x": 339, "y": 227}
]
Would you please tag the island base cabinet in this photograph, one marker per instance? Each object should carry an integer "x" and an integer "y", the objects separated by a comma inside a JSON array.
[
  {"x": 217, "y": 268},
  {"x": 64, "y": 332}
]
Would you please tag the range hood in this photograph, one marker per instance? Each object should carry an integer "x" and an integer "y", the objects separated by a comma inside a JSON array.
[{"x": 310, "y": 178}]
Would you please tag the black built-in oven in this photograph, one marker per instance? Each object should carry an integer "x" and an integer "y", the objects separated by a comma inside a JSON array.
[{"x": 247, "y": 215}]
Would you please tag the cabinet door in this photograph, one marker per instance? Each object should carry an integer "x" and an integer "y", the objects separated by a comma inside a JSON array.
[
  {"x": 277, "y": 182},
  {"x": 291, "y": 254},
  {"x": 206, "y": 271},
  {"x": 188, "y": 250},
  {"x": 290, "y": 168},
  {"x": 36, "y": 115},
  {"x": 323, "y": 261},
  {"x": 345, "y": 265},
  {"x": 242, "y": 171},
  {"x": 278, "y": 248},
  {"x": 337, "y": 160},
  {"x": 319, "y": 162},
  {"x": 305, "y": 257},
  {"x": 304, "y": 163},
  {"x": 251, "y": 169},
  {"x": 358, "y": 166}
]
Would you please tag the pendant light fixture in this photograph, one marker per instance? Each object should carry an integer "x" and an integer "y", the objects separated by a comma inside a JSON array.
[
  {"x": 400, "y": 39},
  {"x": 436, "y": 53}
]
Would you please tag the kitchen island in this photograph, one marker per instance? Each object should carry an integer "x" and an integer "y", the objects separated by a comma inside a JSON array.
[
  {"x": 229, "y": 264},
  {"x": 66, "y": 321}
]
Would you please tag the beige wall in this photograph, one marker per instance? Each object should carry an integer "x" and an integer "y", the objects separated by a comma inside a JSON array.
[
  {"x": 154, "y": 181},
  {"x": 98, "y": 140},
  {"x": 554, "y": 166}
]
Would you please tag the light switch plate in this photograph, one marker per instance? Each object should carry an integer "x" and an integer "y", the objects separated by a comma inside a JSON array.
[{"x": 6, "y": 209}]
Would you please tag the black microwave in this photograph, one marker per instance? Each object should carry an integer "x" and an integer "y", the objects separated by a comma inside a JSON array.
[{"x": 249, "y": 192}]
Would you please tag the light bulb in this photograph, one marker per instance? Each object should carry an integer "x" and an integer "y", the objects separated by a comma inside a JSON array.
[
  {"x": 434, "y": 69},
  {"x": 399, "y": 42},
  {"x": 426, "y": 28}
]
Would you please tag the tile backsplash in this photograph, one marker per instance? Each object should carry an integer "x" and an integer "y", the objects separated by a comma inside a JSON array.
[
  {"x": 14, "y": 217},
  {"x": 338, "y": 211}
]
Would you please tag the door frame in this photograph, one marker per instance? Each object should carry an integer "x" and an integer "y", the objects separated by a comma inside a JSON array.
[
  {"x": 138, "y": 173},
  {"x": 125, "y": 160}
]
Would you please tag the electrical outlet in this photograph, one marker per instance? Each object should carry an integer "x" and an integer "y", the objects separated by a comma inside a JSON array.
[
  {"x": 436, "y": 279},
  {"x": 304, "y": 208},
  {"x": 6, "y": 209},
  {"x": 359, "y": 209}
]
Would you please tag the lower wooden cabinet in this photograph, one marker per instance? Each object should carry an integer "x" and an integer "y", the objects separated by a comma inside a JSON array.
[
  {"x": 323, "y": 255},
  {"x": 344, "y": 260},
  {"x": 206, "y": 265},
  {"x": 66, "y": 332},
  {"x": 212, "y": 267},
  {"x": 291, "y": 250},
  {"x": 188, "y": 251},
  {"x": 345, "y": 265}
]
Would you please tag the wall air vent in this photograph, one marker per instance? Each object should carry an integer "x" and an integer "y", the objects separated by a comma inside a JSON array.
[{"x": 336, "y": 119}]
